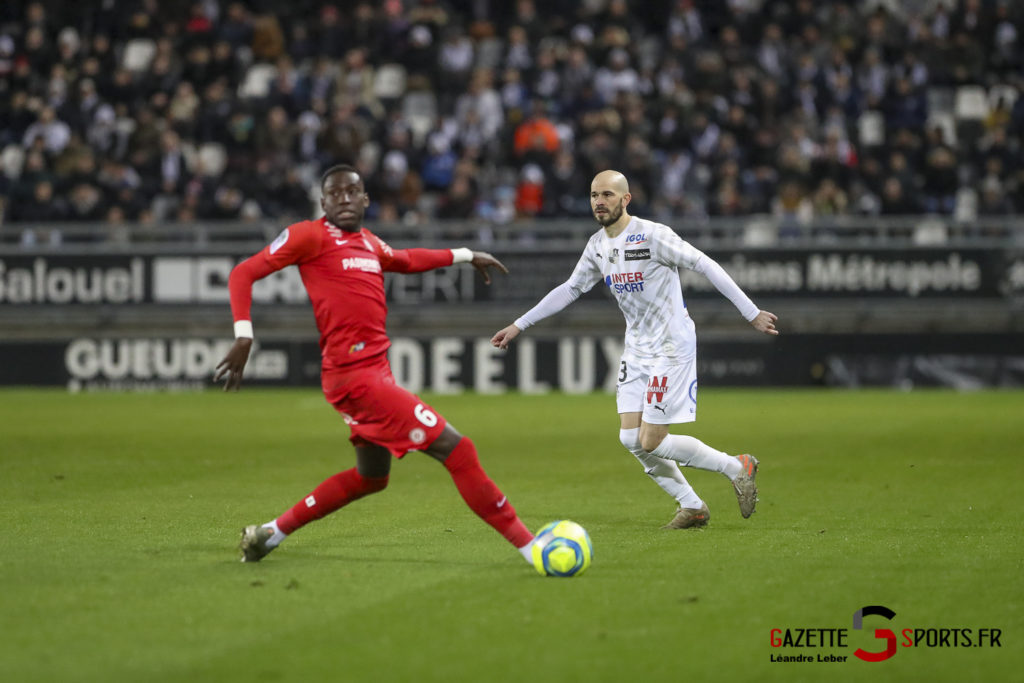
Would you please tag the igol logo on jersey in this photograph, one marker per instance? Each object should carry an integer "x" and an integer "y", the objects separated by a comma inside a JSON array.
[
  {"x": 621, "y": 283},
  {"x": 638, "y": 254},
  {"x": 636, "y": 239}
]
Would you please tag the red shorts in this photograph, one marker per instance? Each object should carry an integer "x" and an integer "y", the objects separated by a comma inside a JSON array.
[{"x": 380, "y": 412}]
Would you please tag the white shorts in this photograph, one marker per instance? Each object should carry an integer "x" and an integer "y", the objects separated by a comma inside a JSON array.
[{"x": 665, "y": 394}]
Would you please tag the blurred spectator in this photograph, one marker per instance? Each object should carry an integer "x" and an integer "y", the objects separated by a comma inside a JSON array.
[
  {"x": 896, "y": 201},
  {"x": 439, "y": 163},
  {"x": 992, "y": 199},
  {"x": 43, "y": 206},
  {"x": 530, "y": 191},
  {"x": 728, "y": 108},
  {"x": 536, "y": 139},
  {"x": 459, "y": 202},
  {"x": 54, "y": 133}
]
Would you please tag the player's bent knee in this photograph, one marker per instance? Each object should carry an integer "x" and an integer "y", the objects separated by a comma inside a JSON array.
[
  {"x": 651, "y": 463},
  {"x": 649, "y": 441},
  {"x": 630, "y": 438},
  {"x": 375, "y": 484}
]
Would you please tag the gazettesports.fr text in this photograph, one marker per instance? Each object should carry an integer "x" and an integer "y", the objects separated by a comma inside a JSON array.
[{"x": 908, "y": 637}]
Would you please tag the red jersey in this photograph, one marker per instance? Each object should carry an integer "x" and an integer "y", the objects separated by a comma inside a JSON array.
[{"x": 343, "y": 273}]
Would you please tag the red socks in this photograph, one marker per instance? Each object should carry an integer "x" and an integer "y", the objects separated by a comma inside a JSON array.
[
  {"x": 334, "y": 493},
  {"x": 475, "y": 487},
  {"x": 482, "y": 496}
]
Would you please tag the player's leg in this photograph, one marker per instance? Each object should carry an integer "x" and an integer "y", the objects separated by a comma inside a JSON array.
[
  {"x": 691, "y": 452},
  {"x": 692, "y": 511},
  {"x": 370, "y": 475},
  {"x": 629, "y": 399},
  {"x": 672, "y": 399},
  {"x": 458, "y": 454}
]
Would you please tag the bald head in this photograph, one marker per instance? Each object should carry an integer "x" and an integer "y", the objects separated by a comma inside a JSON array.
[
  {"x": 609, "y": 196},
  {"x": 611, "y": 179}
]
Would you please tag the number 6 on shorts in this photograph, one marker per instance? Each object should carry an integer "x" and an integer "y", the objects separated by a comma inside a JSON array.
[{"x": 425, "y": 415}]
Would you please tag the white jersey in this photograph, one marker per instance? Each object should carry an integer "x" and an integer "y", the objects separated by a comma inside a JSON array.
[{"x": 640, "y": 267}]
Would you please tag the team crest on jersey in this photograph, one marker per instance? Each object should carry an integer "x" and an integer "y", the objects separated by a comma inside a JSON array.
[
  {"x": 279, "y": 241},
  {"x": 614, "y": 257}
]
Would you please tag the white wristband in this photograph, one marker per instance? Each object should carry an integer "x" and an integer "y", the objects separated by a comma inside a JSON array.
[
  {"x": 462, "y": 255},
  {"x": 243, "y": 329}
]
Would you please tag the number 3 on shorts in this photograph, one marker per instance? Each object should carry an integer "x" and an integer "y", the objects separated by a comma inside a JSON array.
[{"x": 425, "y": 415}]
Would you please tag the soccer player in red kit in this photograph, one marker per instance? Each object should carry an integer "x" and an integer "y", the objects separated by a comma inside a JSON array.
[{"x": 342, "y": 264}]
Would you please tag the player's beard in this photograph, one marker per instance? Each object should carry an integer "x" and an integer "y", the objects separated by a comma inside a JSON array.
[{"x": 610, "y": 217}]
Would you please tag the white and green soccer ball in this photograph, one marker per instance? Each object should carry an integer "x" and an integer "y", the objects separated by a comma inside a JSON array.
[{"x": 562, "y": 548}]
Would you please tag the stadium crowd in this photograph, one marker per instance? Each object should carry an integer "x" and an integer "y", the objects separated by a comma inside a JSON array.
[{"x": 164, "y": 111}]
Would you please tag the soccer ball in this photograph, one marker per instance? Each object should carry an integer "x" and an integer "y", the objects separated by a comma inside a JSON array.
[{"x": 562, "y": 548}]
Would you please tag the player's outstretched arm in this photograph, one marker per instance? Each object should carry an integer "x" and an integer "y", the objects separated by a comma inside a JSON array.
[
  {"x": 482, "y": 261},
  {"x": 502, "y": 337},
  {"x": 765, "y": 322},
  {"x": 234, "y": 364}
]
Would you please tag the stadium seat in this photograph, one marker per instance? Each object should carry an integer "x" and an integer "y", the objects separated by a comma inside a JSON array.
[
  {"x": 871, "y": 129},
  {"x": 946, "y": 122},
  {"x": 11, "y": 160},
  {"x": 970, "y": 110},
  {"x": 212, "y": 158},
  {"x": 419, "y": 109},
  {"x": 966, "y": 210},
  {"x": 931, "y": 231},
  {"x": 257, "y": 80},
  {"x": 940, "y": 99},
  {"x": 760, "y": 232},
  {"x": 389, "y": 81},
  {"x": 138, "y": 53},
  {"x": 1007, "y": 93},
  {"x": 971, "y": 103}
]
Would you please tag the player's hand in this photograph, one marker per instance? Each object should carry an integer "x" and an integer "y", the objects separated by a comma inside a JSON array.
[
  {"x": 482, "y": 261},
  {"x": 503, "y": 337},
  {"x": 233, "y": 364},
  {"x": 765, "y": 322}
]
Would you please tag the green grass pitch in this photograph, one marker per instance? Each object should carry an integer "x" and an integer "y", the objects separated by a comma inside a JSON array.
[{"x": 120, "y": 515}]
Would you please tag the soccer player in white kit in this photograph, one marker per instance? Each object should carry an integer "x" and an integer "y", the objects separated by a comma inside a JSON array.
[{"x": 638, "y": 260}]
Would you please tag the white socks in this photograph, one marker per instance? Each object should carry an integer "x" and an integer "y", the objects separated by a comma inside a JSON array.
[
  {"x": 664, "y": 473},
  {"x": 692, "y": 452},
  {"x": 527, "y": 552},
  {"x": 278, "y": 536}
]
